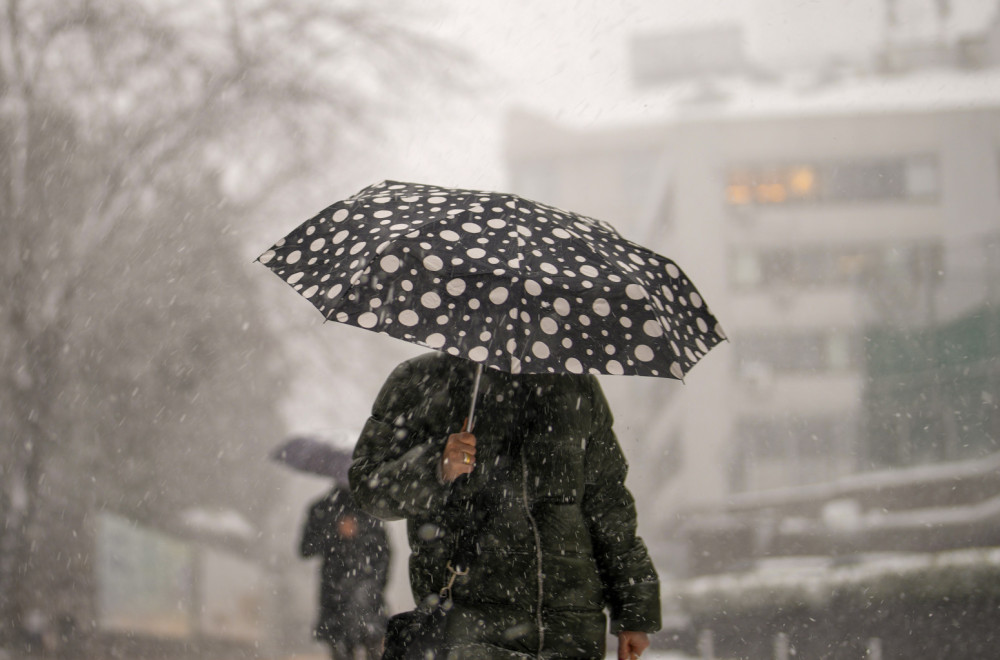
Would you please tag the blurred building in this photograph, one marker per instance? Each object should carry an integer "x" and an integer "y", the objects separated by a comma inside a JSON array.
[{"x": 844, "y": 225}]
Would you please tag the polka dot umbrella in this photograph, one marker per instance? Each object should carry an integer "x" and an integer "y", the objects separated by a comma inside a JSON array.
[{"x": 501, "y": 280}]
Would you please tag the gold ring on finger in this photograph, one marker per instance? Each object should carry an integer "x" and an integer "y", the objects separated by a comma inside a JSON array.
[{"x": 467, "y": 458}]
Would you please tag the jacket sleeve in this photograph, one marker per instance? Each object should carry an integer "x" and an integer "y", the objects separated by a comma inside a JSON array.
[
  {"x": 314, "y": 533},
  {"x": 631, "y": 586},
  {"x": 394, "y": 473}
]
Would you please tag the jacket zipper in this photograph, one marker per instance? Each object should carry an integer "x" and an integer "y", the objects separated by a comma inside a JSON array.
[{"x": 538, "y": 551}]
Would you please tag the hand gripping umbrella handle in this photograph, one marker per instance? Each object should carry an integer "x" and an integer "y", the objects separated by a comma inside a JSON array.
[{"x": 475, "y": 395}]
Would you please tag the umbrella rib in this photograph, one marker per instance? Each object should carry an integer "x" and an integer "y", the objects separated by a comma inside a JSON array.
[{"x": 604, "y": 260}]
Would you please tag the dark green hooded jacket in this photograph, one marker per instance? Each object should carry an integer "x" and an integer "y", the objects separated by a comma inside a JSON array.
[{"x": 553, "y": 527}]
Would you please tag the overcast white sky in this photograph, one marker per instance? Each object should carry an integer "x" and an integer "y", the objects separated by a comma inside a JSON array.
[{"x": 569, "y": 60}]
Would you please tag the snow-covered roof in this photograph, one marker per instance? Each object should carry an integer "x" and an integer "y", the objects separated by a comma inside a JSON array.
[
  {"x": 802, "y": 94},
  {"x": 815, "y": 577},
  {"x": 922, "y": 475},
  {"x": 940, "y": 89},
  {"x": 222, "y": 522}
]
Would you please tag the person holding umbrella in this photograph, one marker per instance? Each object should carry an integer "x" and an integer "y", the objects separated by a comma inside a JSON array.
[
  {"x": 541, "y": 486},
  {"x": 522, "y": 531}
]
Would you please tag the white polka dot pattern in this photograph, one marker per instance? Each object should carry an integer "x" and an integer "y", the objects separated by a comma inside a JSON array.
[{"x": 517, "y": 285}]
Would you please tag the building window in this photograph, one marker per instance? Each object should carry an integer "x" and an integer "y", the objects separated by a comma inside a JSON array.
[
  {"x": 911, "y": 178},
  {"x": 922, "y": 178},
  {"x": 796, "y": 352},
  {"x": 820, "y": 266},
  {"x": 787, "y": 450},
  {"x": 767, "y": 437},
  {"x": 864, "y": 181}
]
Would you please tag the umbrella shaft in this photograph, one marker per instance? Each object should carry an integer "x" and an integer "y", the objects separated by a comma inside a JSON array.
[{"x": 475, "y": 395}]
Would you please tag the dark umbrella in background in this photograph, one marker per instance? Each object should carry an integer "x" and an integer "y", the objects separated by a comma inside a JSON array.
[
  {"x": 506, "y": 282},
  {"x": 315, "y": 456}
]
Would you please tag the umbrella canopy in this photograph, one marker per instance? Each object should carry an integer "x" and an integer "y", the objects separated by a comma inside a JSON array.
[
  {"x": 498, "y": 279},
  {"x": 314, "y": 456}
]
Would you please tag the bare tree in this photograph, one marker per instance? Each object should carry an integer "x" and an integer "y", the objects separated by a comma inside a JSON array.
[{"x": 117, "y": 120}]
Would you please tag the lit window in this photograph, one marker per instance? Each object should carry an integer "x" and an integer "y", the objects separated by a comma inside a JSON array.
[
  {"x": 802, "y": 181},
  {"x": 870, "y": 180},
  {"x": 739, "y": 194},
  {"x": 771, "y": 193},
  {"x": 739, "y": 190}
]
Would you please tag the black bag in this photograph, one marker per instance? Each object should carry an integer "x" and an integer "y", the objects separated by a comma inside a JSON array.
[
  {"x": 416, "y": 635},
  {"x": 420, "y": 634}
]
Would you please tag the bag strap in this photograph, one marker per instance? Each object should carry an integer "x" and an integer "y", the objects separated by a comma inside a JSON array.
[{"x": 445, "y": 592}]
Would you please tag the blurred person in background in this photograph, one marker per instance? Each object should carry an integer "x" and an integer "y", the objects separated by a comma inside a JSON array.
[{"x": 355, "y": 569}]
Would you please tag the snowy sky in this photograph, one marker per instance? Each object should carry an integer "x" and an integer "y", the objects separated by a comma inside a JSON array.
[{"x": 569, "y": 60}]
